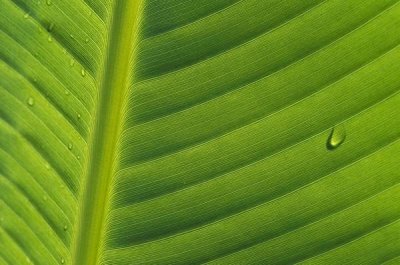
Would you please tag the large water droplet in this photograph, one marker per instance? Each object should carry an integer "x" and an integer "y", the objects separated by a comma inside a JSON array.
[
  {"x": 336, "y": 137},
  {"x": 62, "y": 261},
  {"x": 48, "y": 2},
  {"x": 49, "y": 38},
  {"x": 31, "y": 101},
  {"x": 83, "y": 72}
]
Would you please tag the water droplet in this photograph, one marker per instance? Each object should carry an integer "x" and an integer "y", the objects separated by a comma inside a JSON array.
[
  {"x": 72, "y": 36},
  {"x": 70, "y": 146},
  {"x": 87, "y": 40},
  {"x": 64, "y": 51},
  {"x": 90, "y": 12},
  {"x": 50, "y": 27},
  {"x": 62, "y": 261},
  {"x": 31, "y": 101},
  {"x": 78, "y": 157},
  {"x": 49, "y": 38},
  {"x": 47, "y": 166},
  {"x": 34, "y": 80},
  {"x": 65, "y": 228},
  {"x": 78, "y": 116},
  {"x": 336, "y": 137},
  {"x": 45, "y": 198},
  {"x": 66, "y": 92},
  {"x": 71, "y": 62},
  {"x": 48, "y": 2},
  {"x": 26, "y": 15},
  {"x": 83, "y": 73},
  {"x": 40, "y": 30}
]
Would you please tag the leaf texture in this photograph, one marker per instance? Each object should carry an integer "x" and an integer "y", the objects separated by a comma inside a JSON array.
[{"x": 194, "y": 131}]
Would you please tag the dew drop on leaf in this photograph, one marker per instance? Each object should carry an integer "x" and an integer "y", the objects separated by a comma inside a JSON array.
[
  {"x": 70, "y": 146},
  {"x": 26, "y": 15},
  {"x": 66, "y": 92},
  {"x": 45, "y": 198},
  {"x": 78, "y": 116},
  {"x": 65, "y": 227},
  {"x": 50, "y": 27},
  {"x": 336, "y": 137},
  {"x": 48, "y": 2},
  {"x": 83, "y": 72},
  {"x": 49, "y": 39},
  {"x": 87, "y": 40},
  {"x": 62, "y": 261},
  {"x": 47, "y": 166},
  {"x": 31, "y": 101},
  {"x": 71, "y": 62}
]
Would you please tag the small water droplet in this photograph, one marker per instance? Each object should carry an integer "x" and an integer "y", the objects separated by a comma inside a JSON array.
[
  {"x": 50, "y": 27},
  {"x": 78, "y": 116},
  {"x": 87, "y": 40},
  {"x": 47, "y": 166},
  {"x": 336, "y": 137},
  {"x": 49, "y": 38},
  {"x": 48, "y": 2},
  {"x": 45, "y": 198},
  {"x": 34, "y": 80},
  {"x": 83, "y": 72},
  {"x": 31, "y": 101},
  {"x": 62, "y": 261},
  {"x": 26, "y": 15},
  {"x": 66, "y": 92},
  {"x": 65, "y": 228},
  {"x": 40, "y": 30},
  {"x": 78, "y": 157},
  {"x": 71, "y": 36},
  {"x": 70, "y": 146},
  {"x": 71, "y": 62},
  {"x": 64, "y": 51}
]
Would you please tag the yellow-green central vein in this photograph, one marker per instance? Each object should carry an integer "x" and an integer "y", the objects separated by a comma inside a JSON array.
[{"x": 95, "y": 193}]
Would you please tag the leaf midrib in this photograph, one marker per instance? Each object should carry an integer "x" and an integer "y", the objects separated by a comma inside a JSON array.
[{"x": 89, "y": 240}]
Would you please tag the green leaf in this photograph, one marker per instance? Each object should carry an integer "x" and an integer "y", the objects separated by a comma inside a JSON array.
[{"x": 197, "y": 131}]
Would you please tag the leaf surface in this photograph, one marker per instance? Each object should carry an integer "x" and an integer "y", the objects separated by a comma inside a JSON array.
[{"x": 194, "y": 131}]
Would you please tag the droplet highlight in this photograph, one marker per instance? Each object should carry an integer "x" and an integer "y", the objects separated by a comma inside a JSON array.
[
  {"x": 70, "y": 146},
  {"x": 336, "y": 137},
  {"x": 31, "y": 101},
  {"x": 83, "y": 72}
]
